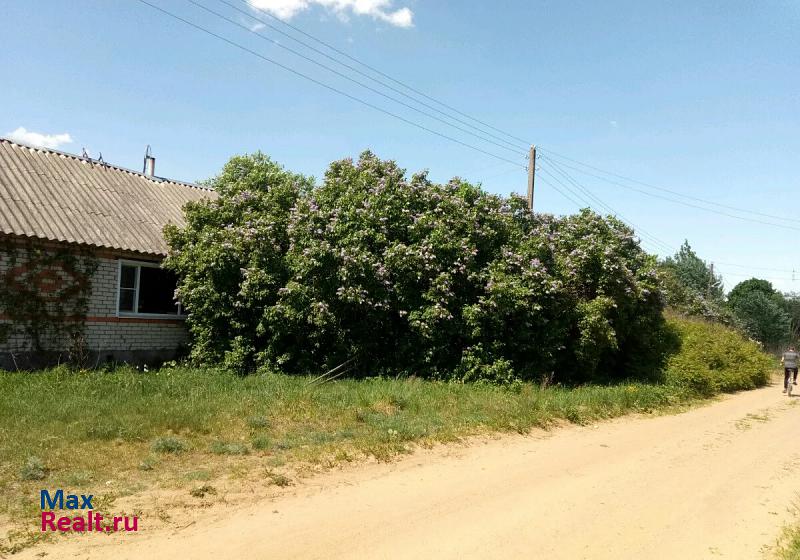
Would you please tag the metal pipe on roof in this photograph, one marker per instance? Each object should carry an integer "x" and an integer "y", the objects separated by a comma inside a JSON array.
[{"x": 149, "y": 168}]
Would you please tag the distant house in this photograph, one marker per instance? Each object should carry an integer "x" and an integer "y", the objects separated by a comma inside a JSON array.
[{"x": 80, "y": 250}]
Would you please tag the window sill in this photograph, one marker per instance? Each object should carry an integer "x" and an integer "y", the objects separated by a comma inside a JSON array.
[{"x": 123, "y": 315}]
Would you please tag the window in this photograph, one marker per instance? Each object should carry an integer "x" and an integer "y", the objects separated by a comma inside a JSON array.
[{"x": 147, "y": 289}]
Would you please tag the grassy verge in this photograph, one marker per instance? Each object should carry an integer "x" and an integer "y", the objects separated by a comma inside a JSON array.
[
  {"x": 789, "y": 546},
  {"x": 123, "y": 432},
  {"x": 190, "y": 432}
]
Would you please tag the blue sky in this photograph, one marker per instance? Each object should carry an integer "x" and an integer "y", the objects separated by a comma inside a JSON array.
[{"x": 699, "y": 97}]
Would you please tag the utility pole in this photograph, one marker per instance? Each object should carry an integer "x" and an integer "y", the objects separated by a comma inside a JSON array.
[
  {"x": 531, "y": 176},
  {"x": 710, "y": 282}
]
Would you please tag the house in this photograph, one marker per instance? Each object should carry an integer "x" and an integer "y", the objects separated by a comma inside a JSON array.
[{"x": 80, "y": 250}]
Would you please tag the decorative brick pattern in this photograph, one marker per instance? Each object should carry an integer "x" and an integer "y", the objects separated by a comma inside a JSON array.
[{"x": 106, "y": 334}]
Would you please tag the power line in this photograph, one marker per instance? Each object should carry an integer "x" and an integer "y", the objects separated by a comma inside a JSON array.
[
  {"x": 323, "y": 84},
  {"x": 587, "y": 204},
  {"x": 352, "y": 68},
  {"x": 658, "y": 242},
  {"x": 346, "y": 77},
  {"x": 495, "y": 175},
  {"x": 654, "y": 240},
  {"x": 756, "y": 267},
  {"x": 678, "y": 201},
  {"x": 388, "y": 77},
  {"x": 562, "y": 193},
  {"x": 741, "y": 275},
  {"x": 663, "y": 189}
]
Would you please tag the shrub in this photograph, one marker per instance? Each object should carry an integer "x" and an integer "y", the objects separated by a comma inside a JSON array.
[
  {"x": 714, "y": 358},
  {"x": 202, "y": 491},
  {"x": 169, "y": 444},
  {"x": 33, "y": 469},
  {"x": 278, "y": 479},
  {"x": 408, "y": 277}
]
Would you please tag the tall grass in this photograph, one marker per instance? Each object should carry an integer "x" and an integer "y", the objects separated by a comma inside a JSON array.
[
  {"x": 789, "y": 545},
  {"x": 83, "y": 431},
  {"x": 56, "y": 414}
]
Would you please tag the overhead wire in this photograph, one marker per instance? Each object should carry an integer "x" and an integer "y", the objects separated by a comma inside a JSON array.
[
  {"x": 562, "y": 193},
  {"x": 678, "y": 200},
  {"x": 641, "y": 231},
  {"x": 383, "y": 74},
  {"x": 664, "y": 189},
  {"x": 657, "y": 242},
  {"x": 558, "y": 166},
  {"x": 586, "y": 204},
  {"x": 352, "y": 68},
  {"x": 280, "y": 45},
  {"x": 325, "y": 85}
]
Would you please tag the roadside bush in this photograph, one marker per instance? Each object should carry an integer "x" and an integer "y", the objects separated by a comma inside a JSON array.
[
  {"x": 410, "y": 277},
  {"x": 169, "y": 444},
  {"x": 714, "y": 358}
]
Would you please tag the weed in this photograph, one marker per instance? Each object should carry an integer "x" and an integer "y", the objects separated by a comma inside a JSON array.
[
  {"x": 258, "y": 422},
  {"x": 201, "y": 474},
  {"x": 276, "y": 461},
  {"x": 33, "y": 469},
  {"x": 169, "y": 444},
  {"x": 261, "y": 442},
  {"x": 202, "y": 491},
  {"x": 278, "y": 479},
  {"x": 148, "y": 464},
  {"x": 229, "y": 448},
  {"x": 19, "y": 540},
  {"x": 78, "y": 478}
]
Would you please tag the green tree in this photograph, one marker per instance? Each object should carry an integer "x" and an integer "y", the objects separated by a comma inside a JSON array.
[
  {"x": 792, "y": 306},
  {"x": 762, "y": 311},
  {"x": 695, "y": 274}
]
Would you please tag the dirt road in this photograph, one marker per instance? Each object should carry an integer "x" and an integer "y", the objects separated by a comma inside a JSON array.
[{"x": 714, "y": 482}]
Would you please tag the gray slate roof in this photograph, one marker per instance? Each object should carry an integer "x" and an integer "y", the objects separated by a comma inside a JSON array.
[{"x": 52, "y": 195}]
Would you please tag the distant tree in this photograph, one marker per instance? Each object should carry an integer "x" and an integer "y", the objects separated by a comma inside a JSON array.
[
  {"x": 792, "y": 306},
  {"x": 695, "y": 274},
  {"x": 743, "y": 290},
  {"x": 687, "y": 301},
  {"x": 762, "y": 310}
]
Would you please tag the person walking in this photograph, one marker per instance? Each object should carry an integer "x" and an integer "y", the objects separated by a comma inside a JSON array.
[{"x": 789, "y": 362}]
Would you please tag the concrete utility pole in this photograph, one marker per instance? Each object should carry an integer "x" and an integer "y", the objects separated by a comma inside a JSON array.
[{"x": 531, "y": 176}]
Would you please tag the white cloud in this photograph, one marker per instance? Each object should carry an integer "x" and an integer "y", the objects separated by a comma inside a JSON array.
[
  {"x": 38, "y": 139},
  {"x": 378, "y": 9},
  {"x": 614, "y": 124}
]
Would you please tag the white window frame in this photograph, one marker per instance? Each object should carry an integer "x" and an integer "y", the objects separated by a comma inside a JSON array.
[{"x": 139, "y": 264}]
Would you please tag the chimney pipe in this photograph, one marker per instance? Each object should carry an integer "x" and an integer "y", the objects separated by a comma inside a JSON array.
[{"x": 149, "y": 168}]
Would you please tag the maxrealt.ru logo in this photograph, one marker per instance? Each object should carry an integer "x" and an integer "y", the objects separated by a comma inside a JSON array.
[{"x": 91, "y": 521}]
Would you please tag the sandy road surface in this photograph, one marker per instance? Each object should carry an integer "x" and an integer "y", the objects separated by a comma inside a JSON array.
[{"x": 714, "y": 482}]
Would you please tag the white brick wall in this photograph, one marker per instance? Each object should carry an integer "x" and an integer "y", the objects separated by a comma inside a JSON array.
[{"x": 106, "y": 333}]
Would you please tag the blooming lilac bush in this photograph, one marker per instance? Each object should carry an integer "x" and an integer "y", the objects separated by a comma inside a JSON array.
[{"x": 408, "y": 277}]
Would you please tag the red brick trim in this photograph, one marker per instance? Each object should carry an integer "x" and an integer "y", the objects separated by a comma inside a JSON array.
[
  {"x": 135, "y": 320},
  {"x": 165, "y": 321}
]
